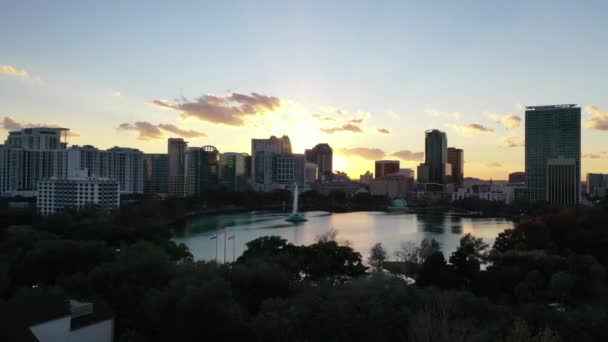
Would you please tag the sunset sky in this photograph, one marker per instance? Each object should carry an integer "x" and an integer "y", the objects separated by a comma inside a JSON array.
[{"x": 367, "y": 77}]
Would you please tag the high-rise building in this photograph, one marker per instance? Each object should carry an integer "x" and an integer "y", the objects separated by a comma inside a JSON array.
[
  {"x": 30, "y": 155},
  {"x": 233, "y": 171},
  {"x": 156, "y": 173},
  {"x": 263, "y": 153},
  {"x": 386, "y": 167},
  {"x": 202, "y": 169},
  {"x": 126, "y": 165},
  {"x": 322, "y": 155},
  {"x": 517, "y": 178},
  {"x": 436, "y": 167},
  {"x": 366, "y": 178},
  {"x": 177, "y": 148},
  {"x": 76, "y": 191},
  {"x": 596, "y": 184},
  {"x": 553, "y": 132},
  {"x": 563, "y": 186},
  {"x": 88, "y": 158},
  {"x": 38, "y": 138},
  {"x": 456, "y": 160}
]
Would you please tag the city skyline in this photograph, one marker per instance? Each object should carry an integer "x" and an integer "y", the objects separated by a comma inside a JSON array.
[{"x": 369, "y": 83}]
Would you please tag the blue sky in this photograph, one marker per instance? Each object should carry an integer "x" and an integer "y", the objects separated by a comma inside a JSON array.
[{"x": 400, "y": 66}]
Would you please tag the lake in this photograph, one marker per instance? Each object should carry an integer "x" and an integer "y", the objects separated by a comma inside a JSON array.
[{"x": 361, "y": 230}]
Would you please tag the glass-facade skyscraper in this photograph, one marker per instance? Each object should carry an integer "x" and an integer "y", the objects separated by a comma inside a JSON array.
[
  {"x": 552, "y": 133},
  {"x": 435, "y": 157}
]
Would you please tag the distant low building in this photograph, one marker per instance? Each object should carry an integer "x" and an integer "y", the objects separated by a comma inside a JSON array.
[
  {"x": 517, "y": 178},
  {"x": 394, "y": 186},
  {"x": 77, "y": 192},
  {"x": 366, "y": 178}
]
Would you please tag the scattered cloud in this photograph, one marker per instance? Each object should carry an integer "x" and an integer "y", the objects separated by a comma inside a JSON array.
[
  {"x": 591, "y": 156},
  {"x": 343, "y": 128},
  {"x": 599, "y": 119},
  {"x": 116, "y": 93},
  {"x": 409, "y": 155},
  {"x": 186, "y": 133},
  {"x": 447, "y": 115},
  {"x": 494, "y": 164},
  {"x": 12, "y": 71},
  {"x": 148, "y": 131},
  {"x": 384, "y": 131},
  {"x": 473, "y": 129},
  {"x": 323, "y": 117},
  {"x": 230, "y": 110},
  {"x": 363, "y": 152},
  {"x": 513, "y": 142},
  {"x": 11, "y": 124},
  {"x": 508, "y": 121}
]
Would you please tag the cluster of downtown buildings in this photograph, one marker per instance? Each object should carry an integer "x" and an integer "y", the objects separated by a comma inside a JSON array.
[
  {"x": 552, "y": 173},
  {"x": 37, "y": 162}
]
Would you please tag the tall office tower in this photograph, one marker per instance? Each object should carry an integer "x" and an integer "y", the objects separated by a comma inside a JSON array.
[
  {"x": 233, "y": 171},
  {"x": 456, "y": 160},
  {"x": 126, "y": 166},
  {"x": 436, "y": 167},
  {"x": 386, "y": 167},
  {"x": 177, "y": 148},
  {"x": 596, "y": 184},
  {"x": 202, "y": 169},
  {"x": 517, "y": 178},
  {"x": 563, "y": 185},
  {"x": 263, "y": 152},
  {"x": 322, "y": 155},
  {"x": 88, "y": 158},
  {"x": 30, "y": 155},
  {"x": 39, "y": 138},
  {"x": 156, "y": 173},
  {"x": 76, "y": 191},
  {"x": 552, "y": 132}
]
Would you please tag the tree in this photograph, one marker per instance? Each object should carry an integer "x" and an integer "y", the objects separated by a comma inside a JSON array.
[
  {"x": 560, "y": 286},
  {"x": 469, "y": 256},
  {"x": 428, "y": 247},
  {"x": 377, "y": 257},
  {"x": 408, "y": 252}
]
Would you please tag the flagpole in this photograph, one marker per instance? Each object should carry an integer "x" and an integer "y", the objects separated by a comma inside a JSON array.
[
  {"x": 233, "y": 247},
  {"x": 216, "y": 247}
]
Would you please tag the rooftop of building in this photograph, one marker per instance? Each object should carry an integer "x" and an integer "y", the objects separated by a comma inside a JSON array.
[{"x": 551, "y": 107}]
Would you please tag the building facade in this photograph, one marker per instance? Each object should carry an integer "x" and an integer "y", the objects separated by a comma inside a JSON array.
[
  {"x": 553, "y": 132},
  {"x": 202, "y": 169},
  {"x": 263, "y": 153},
  {"x": 456, "y": 160},
  {"x": 126, "y": 166},
  {"x": 517, "y": 178},
  {"x": 435, "y": 168},
  {"x": 177, "y": 148},
  {"x": 233, "y": 171},
  {"x": 386, "y": 167},
  {"x": 156, "y": 173},
  {"x": 322, "y": 155},
  {"x": 76, "y": 192}
]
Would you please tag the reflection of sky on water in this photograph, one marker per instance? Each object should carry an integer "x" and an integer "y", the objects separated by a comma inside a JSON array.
[{"x": 361, "y": 229}]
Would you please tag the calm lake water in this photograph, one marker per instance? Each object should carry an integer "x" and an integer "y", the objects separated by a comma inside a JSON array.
[{"x": 360, "y": 229}]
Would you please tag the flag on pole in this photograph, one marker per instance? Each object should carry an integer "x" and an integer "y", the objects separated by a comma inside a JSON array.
[
  {"x": 231, "y": 237},
  {"x": 213, "y": 237}
]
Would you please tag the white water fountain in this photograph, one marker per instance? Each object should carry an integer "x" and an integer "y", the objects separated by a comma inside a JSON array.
[{"x": 295, "y": 216}]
